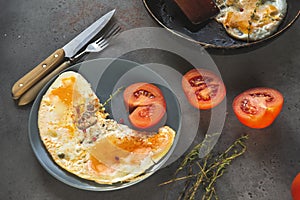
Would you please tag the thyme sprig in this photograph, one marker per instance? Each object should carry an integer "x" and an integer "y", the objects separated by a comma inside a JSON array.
[
  {"x": 204, "y": 172},
  {"x": 112, "y": 95},
  {"x": 201, "y": 148}
]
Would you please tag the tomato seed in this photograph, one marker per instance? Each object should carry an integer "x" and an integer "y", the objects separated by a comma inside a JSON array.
[
  {"x": 145, "y": 93},
  {"x": 266, "y": 96},
  {"x": 200, "y": 81},
  {"x": 208, "y": 92},
  {"x": 146, "y": 112},
  {"x": 247, "y": 107},
  {"x": 196, "y": 81}
]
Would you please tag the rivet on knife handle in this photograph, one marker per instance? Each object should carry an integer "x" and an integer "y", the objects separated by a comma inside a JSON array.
[
  {"x": 32, "y": 77},
  {"x": 31, "y": 94}
]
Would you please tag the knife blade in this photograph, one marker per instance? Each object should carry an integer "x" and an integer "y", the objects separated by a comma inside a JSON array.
[{"x": 58, "y": 56}]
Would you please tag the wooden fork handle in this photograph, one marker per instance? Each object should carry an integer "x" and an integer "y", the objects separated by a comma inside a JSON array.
[
  {"x": 42, "y": 69},
  {"x": 31, "y": 94}
]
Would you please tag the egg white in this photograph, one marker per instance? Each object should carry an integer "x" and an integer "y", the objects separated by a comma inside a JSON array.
[
  {"x": 251, "y": 20},
  {"x": 71, "y": 147}
]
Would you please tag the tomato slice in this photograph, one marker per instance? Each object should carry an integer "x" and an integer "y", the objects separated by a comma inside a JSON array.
[
  {"x": 203, "y": 88},
  {"x": 147, "y": 116},
  {"x": 295, "y": 189},
  {"x": 258, "y": 107},
  {"x": 142, "y": 94},
  {"x": 146, "y": 104}
]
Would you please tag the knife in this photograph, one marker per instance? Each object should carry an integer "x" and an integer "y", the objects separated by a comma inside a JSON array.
[
  {"x": 102, "y": 42},
  {"x": 58, "y": 56}
]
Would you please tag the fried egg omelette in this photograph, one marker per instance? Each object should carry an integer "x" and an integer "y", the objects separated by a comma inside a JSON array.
[
  {"x": 251, "y": 20},
  {"x": 82, "y": 140}
]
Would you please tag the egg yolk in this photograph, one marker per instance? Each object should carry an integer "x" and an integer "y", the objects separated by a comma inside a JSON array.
[
  {"x": 249, "y": 16},
  {"x": 65, "y": 92}
]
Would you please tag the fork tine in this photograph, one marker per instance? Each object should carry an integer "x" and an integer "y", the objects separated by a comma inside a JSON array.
[
  {"x": 99, "y": 39},
  {"x": 106, "y": 33},
  {"x": 113, "y": 31},
  {"x": 103, "y": 43}
]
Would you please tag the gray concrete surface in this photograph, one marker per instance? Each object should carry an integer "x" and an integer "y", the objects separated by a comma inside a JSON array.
[{"x": 31, "y": 30}]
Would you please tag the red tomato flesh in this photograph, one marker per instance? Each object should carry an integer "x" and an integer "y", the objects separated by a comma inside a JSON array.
[
  {"x": 142, "y": 94},
  {"x": 147, "y": 116},
  {"x": 258, "y": 107},
  {"x": 203, "y": 88},
  {"x": 295, "y": 189},
  {"x": 145, "y": 103}
]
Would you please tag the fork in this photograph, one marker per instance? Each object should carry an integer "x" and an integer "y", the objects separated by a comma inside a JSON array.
[
  {"x": 95, "y": 46},
  {"x": 100, "y": 43}
]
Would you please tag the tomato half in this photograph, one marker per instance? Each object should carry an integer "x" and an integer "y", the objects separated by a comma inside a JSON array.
[
  {"x": 142, "y": 94},
  {"x": 147, "y": 116},
  {"x": 258, "y": 107},
  {"x": 146, "y": 104},
  {"x": 295, "y": 189},
  {"x": 203, "y": 88}
]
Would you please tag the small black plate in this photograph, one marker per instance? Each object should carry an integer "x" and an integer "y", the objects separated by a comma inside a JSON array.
[{"x": 210, "y": 34}]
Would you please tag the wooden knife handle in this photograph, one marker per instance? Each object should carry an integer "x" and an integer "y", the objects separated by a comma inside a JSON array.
[
  {"x": 42, "y": 69},
  {"x": 31, "y": 94}
]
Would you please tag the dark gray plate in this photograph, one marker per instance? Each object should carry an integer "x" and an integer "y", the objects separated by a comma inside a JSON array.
[
  {"x": 106, "y": 76},
  {"x": 210, "y": 34}
]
